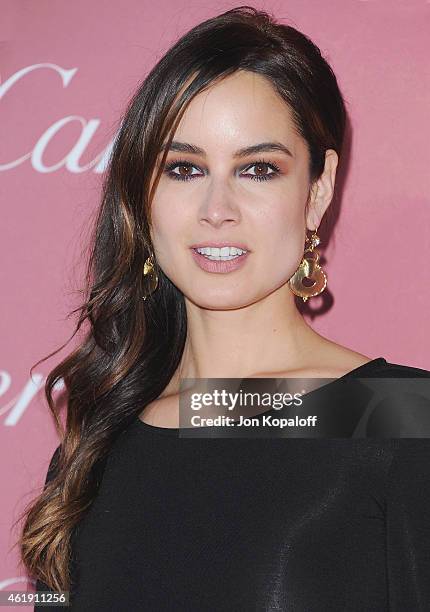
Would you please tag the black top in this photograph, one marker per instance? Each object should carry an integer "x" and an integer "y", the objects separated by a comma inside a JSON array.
[{"x": 301, "y": 525}]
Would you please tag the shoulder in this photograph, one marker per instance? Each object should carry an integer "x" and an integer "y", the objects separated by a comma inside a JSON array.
[
  {"x": 400, "y": 405},
  {"x": 162, "y": 412},
  {"x": 400, "y": 370}
]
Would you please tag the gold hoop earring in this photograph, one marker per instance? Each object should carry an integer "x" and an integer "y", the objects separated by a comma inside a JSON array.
[
  {"x": 152, "y": 278},
  {"x": 310, "y": 269}
]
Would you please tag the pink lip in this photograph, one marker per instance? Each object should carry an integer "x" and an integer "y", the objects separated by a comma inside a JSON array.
[
  {"x": 220, "y": 267},
  {"x": 200, "y": 245}
]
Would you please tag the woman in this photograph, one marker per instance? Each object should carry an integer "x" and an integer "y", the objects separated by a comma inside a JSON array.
[{"x": 232, "y": 142}]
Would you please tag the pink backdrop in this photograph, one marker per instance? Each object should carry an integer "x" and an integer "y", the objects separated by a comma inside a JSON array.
[{"x": 67, "y": 70}]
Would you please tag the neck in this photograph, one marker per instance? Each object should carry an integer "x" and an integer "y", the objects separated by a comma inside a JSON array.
[{"x": 268, "y": 336}]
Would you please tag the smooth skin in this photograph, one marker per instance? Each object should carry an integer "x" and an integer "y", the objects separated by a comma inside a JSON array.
[{"x": 245, "y": 323}]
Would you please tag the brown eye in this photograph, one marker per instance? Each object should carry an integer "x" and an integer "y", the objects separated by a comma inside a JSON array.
[
  {"x": 186, "y": 170},
  {"x": 260, "y": 173},
  {"x": 261, "y": 169},
  {"x": 184, "y": 173}
]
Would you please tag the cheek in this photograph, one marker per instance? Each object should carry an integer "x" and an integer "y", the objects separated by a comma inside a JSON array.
[
  {"x": 280, "y": 228},
  {"x": 169, "y": 231},
  {"x": 282, "y": 225},
  {"x": 165, "y": 219}
]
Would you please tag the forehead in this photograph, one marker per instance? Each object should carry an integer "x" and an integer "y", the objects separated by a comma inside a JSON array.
[{"x": 240, "y": 109}]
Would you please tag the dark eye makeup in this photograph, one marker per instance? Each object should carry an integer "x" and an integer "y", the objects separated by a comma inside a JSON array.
[{"x": 187, "y": 177}]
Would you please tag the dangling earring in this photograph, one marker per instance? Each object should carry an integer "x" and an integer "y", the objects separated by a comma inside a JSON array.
[
  {"x": 310, "y": 269},
  {"x": 152, "y": 278}
]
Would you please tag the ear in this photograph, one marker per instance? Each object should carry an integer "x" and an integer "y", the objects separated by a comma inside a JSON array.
[{"x": 322, "y": 190}]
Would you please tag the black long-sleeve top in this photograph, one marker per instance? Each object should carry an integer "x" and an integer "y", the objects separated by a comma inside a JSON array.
[{"x": 322, "y": 524}]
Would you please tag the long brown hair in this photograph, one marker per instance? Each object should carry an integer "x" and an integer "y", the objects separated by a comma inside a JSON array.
[{"x": 132, "y": 347}]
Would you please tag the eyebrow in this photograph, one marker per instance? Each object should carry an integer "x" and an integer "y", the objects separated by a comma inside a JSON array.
[{"x": 186, "y": 147}]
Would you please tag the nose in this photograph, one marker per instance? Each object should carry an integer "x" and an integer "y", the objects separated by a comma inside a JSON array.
[{"x": 219, "y": 205}]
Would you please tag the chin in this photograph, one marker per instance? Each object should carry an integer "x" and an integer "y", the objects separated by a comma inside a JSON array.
[{"x": 229, "y": 300}]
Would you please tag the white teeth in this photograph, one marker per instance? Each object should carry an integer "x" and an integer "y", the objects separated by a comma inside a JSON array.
[{"x": 221, "y": 254}]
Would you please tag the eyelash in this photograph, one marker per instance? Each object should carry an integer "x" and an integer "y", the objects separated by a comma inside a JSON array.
[{"x": 181, "y": 162}]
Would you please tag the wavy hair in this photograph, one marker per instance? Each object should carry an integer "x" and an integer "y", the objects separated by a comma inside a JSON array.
[{"x": 132, "y": 347}]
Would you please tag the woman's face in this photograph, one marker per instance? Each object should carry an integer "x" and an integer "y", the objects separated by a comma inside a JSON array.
[{"x": 254, "y": 200}]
